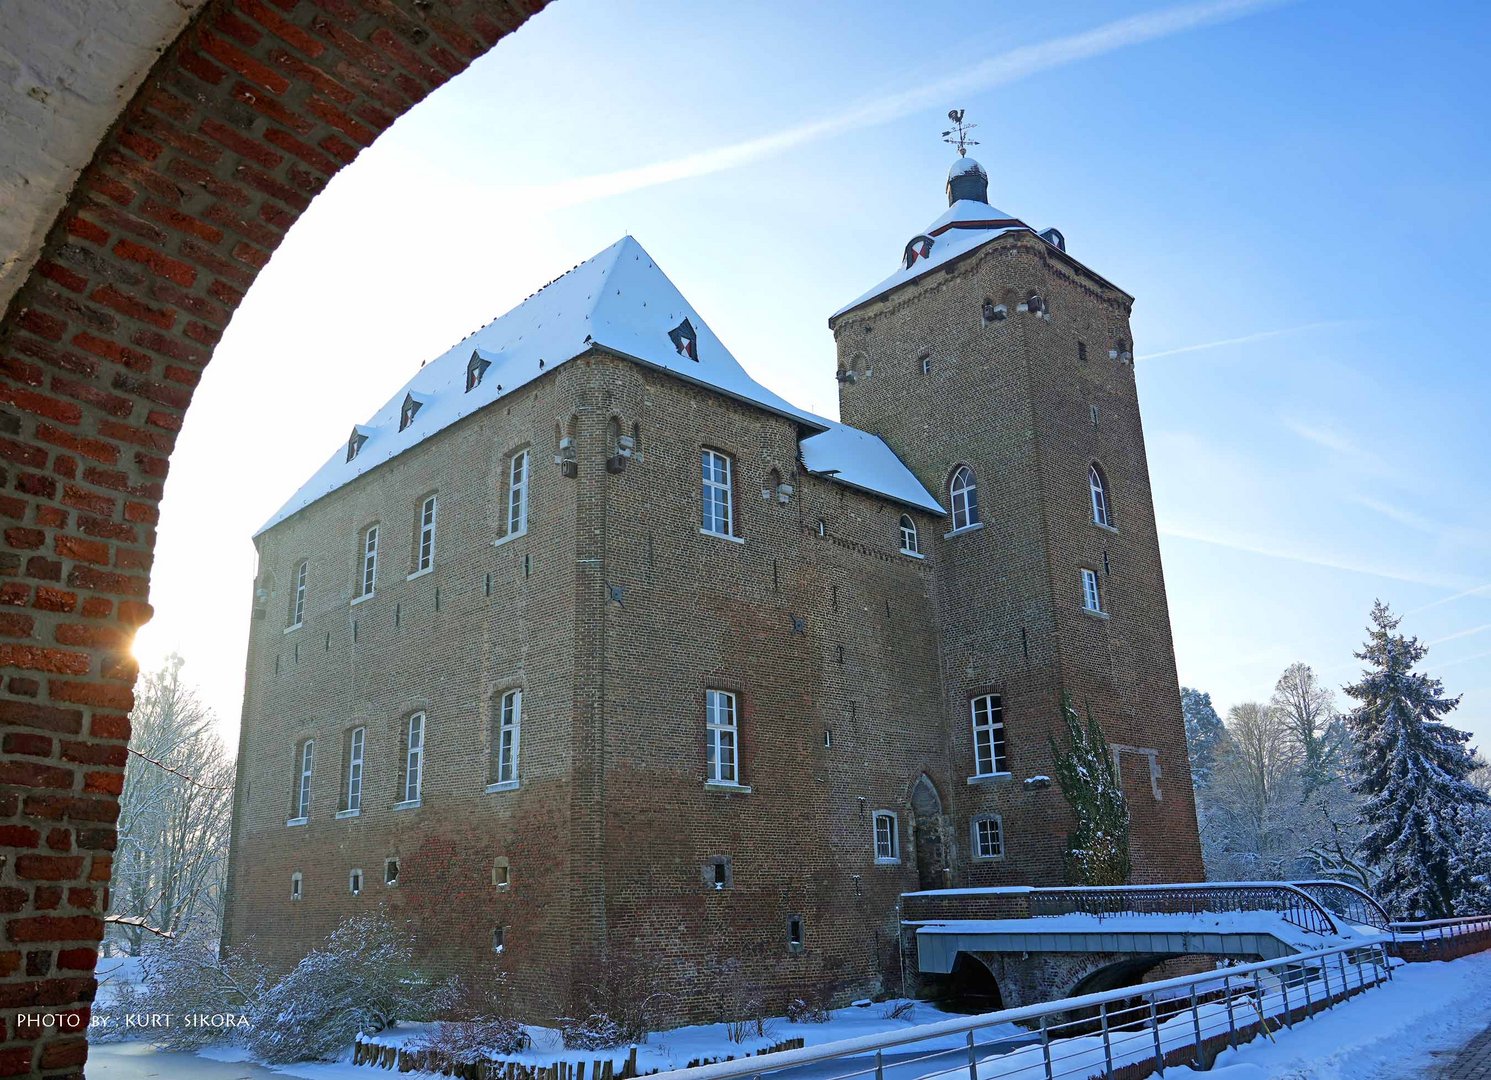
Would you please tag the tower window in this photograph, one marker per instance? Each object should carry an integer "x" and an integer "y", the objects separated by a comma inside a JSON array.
[
  {"x": 1094, "y": 410},
  {"x": 297, "y": 605},
  {"x": 887, "y": 838},
  {"x": 988, "y": 736},
  {"x": 988, "y": 837},
  {"x": 295, "y": 884},
  {"x": 369, "y": 578},
  {"x": 794, "y": 933},
  {"x": 719, "y": 872},
  {"x": 517, "y": 494},
  {"x": 908, "y": 536},
  {"x": 391, "y": 870},
  {"x": 963, "y": 493},
  {"x": 722, "y": 733},
  {"x": 356, "y": 745},
  {"x": 501, "y": 874},
  {"x": 505, "y": 737},
  {"x": 414, "y": 757},
  {"x": 1102, "y": 511},
  {"x": 1092, "y": 595},
  {"x": 1081, "y": 352},
  {"x": 717, "y": 515},
  {"x": 499, "y": 939},
  {"x": 354, "y": 883},
  {"x": 425, "y": 558},
  {"x": 305, "y": 760}
]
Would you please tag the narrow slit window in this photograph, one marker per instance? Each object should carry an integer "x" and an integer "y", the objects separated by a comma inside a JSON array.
[
  {"x": 295, "y": 885},
  {"x": 517, "y": 494},
  {"x": 369, "y": 560},
  {"x": 357, "y": 744},
  {"x": 354, "y": 883},
  {"x": 391, "y": 870},
  {"x": 426, "y": 558},
  {"x": 414, "y": 756},
  {"x": 505, "y": 745},
  {"x": 306, "y": 760},
  {"x": 297, "y": 607}
]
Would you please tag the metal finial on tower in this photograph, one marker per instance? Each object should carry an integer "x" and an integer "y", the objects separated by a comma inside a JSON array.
[{"x": 957, "y": 135}]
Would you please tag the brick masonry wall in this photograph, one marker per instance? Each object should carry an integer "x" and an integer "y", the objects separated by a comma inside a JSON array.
[
  {"x": 238, "y": 126},
  {"x": 1012, "y": 399}
]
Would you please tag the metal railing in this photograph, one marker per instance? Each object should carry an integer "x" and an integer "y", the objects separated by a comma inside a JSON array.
[
  {"x": 1439, "y": 929},
  {"x": 1349, "y": 902},
  {"x": 1293, "y": 903},
  {"x": 1147, "y": 1027}
]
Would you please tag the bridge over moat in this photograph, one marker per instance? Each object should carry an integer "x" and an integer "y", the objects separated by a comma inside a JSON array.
[{"x": 1022, "y": 945}]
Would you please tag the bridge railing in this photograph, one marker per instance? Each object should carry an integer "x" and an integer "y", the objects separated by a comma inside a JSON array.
[
  {"x": 1293, "y": 903},
  {"x": 1132, "y": 1032},
  {"x": 1349, "y": 902}
]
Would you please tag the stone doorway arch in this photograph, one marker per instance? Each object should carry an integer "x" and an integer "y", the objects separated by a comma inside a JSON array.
[
  {"x": 929, "y": 836},
  {"x": 240, "y": 121}
]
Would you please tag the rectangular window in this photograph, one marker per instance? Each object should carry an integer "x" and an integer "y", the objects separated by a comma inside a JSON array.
[
  {"x": 794, "y": 933},
  {"x": 887, "y": 838},
  {"x": 414, "y": 756},
  {"x": 391, "y": 870},
  {"x": 501, "y": 873},
  {"x": 723, "y": 734},
  {"x": 988, "y": 837},
  {"x": 988, "y": 736},
  {"x": 369, "y": 560},
  {"x": 297, "y": 608},
  {"x": 517, "y": 494},
  {"x": 718, "y": 517},
  {"x": 505, "y": 746},
  {"x": 1092, "y": 595},
  {"x": 355, "y": 746},
  {"x": 426, "y": 535},
  {"x": 354, "y": 883},
  {"x": 499, "y": 939},
  {"x": 303, "y": 780},
  {"x": 295, "y": 880}
]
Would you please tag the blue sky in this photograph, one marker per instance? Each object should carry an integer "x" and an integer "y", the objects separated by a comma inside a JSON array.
[{"x": 1294, "y": 192}]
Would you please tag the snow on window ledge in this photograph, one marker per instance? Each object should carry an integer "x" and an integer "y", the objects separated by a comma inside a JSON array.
[
  {"x": 359, "y": 599},
  {"x": 421, "y": 573},
  {"x": 342, "y": 814},
  {"x": 880, "y": 860},
  {"x": 296, "y": 821},
  {"x": 510, "y": 536},
  {"x": 505, "y": 785},
  {"x": 722, "y": 536},
  {"x": 726, "y": 787},
  {"x": 912, "y": 554},
  {"x": 407, "y": 804},
  {"x": 985, "y": 778},
  {"x": 292, "y": 629},
  {"x": 975, "y": 527}
]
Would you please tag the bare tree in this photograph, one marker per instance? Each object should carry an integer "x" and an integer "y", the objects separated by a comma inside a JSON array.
[
  {"x": 1308, "y": 711},
  {"x": 174, "y": 813},
  {"x": 1252, "y": 827}
]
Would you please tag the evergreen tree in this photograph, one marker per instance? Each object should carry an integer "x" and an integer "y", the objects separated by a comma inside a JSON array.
[
  {"x": 1099, "y": 847},
  {"x": 1413, "y": 774},
  {"x": 1205, "y": 735}
]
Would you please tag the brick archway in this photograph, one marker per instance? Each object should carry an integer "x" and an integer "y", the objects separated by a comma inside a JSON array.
[{"x": 236, "y": 128}]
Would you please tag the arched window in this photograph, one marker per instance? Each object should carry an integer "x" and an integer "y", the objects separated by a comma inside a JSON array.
[
  {"x": 908, "y": 536},
  {"x": 1102, "y": 511},
  {"x": 963, "y": 492}
]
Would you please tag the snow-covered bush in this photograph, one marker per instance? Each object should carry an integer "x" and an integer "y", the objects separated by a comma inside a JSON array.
[
  {"x": 483, "y": 1027},
  {"x": 626, "y": 1003},
  {"x": 899, "y": 1010},
  {"x": 362, "y": 979},
  {"x": 597, "y": 1031},
  {"x": 186, "y": 976},
  {"x": 800, "y": 1012}
]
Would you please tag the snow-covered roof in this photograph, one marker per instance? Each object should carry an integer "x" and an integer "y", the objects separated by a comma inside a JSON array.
[
  {"x": 966, "y": 225},
  {"x": 621, "y": 302},
  {"x": 966, "y": 165}
]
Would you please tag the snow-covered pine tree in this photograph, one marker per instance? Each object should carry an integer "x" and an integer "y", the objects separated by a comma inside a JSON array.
[
  {"x": 1098, "y": 849},
  {"x": 1205, "y": 735},
  {"x": 1412, "y": 775}
]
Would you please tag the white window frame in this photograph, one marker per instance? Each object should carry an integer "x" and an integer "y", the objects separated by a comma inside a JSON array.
[
  {"x": 886, "y": 835},
  {"x": 424, "y": 553},
  {"x": 508, "y": 740},
  {"x": 722, "y": 734},
  {"x": 307, "y": 764},
  {"x": 297, "y": 886},
  {"x": 517, "y": 493},
  {"x": 963, "y": 496},
  {"x": 716, "y": 493},
  {"x": 1097, "y": 486},
  {"x": 976, "y": 837},
  {"x": 414, "y": 758},
  {"x": 297, "y": 607},
  {"x": 367, "y": 580},
  {"x": 1092, "y": 592},
  {"x": 356, "y": 755},
  {"x": 990, "y": 750},
  {"x": 910, "y": 541}
]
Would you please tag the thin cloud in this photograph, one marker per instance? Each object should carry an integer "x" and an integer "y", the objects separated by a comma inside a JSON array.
[
  {"x": 1262, "y": 335},
  {"x": 1000, "y": 70},
  {"x": 1461, "y": 660},
  {"x": 1471, "y": 632},
  {"x": 1477, "y": 591},
  {"x": 1308, "y": 558}
]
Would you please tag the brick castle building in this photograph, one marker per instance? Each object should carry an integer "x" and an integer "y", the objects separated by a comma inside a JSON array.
[{"x": 589, "y": 650}]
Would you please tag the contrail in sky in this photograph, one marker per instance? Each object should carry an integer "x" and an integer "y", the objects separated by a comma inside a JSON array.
[
  {"x": 999, "y": 70},
  {"x": 1245, "y": 338}
]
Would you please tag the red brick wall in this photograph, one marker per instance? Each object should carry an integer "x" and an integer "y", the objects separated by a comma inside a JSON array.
[{"x": 238, "y": 126}]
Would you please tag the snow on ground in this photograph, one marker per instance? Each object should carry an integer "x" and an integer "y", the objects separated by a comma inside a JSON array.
[
  {"x": 1402, "y": 1029},
  {"x": 670, "y": 1049}
]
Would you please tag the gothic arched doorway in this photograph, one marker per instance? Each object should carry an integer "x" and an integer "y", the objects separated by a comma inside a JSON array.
[{"x": 929, "y": 841}]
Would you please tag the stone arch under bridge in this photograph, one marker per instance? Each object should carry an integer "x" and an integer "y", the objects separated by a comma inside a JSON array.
[
  {"x": 1028, "y": 979},
  {"x": 214, "y": 126}
]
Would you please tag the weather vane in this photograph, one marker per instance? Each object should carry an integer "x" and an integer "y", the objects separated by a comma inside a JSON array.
[{"x": 957, "y": 135}]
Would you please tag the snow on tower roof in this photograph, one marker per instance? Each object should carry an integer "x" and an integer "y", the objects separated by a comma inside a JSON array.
[
  {"x": 966, "y": 165},
  {"x": 621, "y": 302},
  {"x": 963, "y": 227}
]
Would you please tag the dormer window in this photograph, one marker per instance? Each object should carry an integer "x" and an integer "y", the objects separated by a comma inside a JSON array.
[
  {"x": 354, "y": 444},
  {"x": 920, "y": 247},
  {"x": 685, "y": 339},
  {"x": 408, "y": 410},
  {"x": 475, "y": 369}
]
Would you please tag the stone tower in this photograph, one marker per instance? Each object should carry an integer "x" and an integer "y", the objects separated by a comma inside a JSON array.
[{"x": 1000, "y": 369}]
